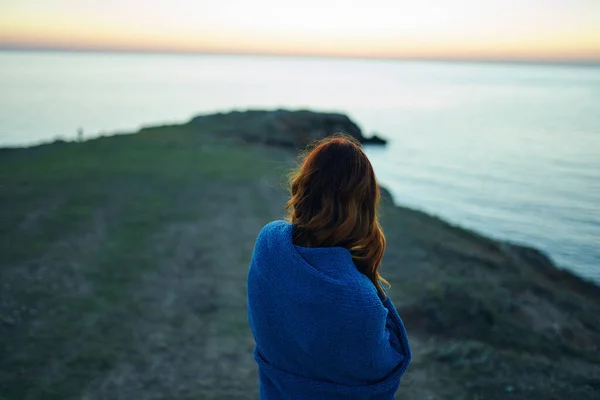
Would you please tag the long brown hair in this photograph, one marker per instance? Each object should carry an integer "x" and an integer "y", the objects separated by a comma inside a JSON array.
[{"x": 334, "y": 202}]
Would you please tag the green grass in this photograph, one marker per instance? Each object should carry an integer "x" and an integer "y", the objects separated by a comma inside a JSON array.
[
  {"x": 79, "y": 222},
  {"x": 91, "y": 162}
]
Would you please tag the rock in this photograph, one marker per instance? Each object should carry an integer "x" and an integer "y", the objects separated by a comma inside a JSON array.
[
  {"x": 544, "y": 265},
  {"x": 285, "y": 128},
  {"x": 375, "y": 140},
  {"x": 386, "y": 196},
  {"x": 529, "y": 255}
]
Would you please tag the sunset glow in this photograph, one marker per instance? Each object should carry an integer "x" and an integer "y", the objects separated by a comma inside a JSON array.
[{"x": 528, "y": 29}]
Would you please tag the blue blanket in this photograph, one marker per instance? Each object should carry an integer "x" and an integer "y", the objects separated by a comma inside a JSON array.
[{"x": 322, "y": 330}]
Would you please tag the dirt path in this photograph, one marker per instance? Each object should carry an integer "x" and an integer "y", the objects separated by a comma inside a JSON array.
[{"x": 191, "y": 334}]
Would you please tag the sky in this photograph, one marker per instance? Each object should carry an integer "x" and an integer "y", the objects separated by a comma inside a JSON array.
[{"x": 442, "y": 29}]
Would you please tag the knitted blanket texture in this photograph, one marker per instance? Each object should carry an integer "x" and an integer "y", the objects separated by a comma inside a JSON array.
[{"x": 322, "y": 330}]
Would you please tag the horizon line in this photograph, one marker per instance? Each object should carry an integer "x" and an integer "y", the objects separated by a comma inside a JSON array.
[{"x": 499, "y": 59}]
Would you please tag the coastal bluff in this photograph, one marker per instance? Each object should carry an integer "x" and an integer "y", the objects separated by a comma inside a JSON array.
[
  {"x": 124, "y": 262},
  {"x": 285, "y": 128}
]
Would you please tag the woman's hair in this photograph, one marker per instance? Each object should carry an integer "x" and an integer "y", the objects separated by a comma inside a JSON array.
[{"x": 334, "y": 202}]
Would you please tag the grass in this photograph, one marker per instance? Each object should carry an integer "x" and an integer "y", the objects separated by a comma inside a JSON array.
[{"x": 79, "y": 224}]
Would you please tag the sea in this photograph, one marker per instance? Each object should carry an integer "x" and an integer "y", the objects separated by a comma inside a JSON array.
[{"x": 509, "y": 150}]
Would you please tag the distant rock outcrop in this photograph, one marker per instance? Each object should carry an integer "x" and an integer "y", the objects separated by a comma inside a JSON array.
[
  {"x": 375, "y": 139},
  {"x": 281, "y": 127}
]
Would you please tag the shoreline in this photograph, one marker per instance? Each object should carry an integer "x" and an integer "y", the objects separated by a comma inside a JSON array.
[
  {"x": 503, "y": 240},
  {"x": 353, "y": 127}
]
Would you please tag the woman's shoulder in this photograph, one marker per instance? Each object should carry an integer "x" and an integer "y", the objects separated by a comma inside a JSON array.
[
  {"x": 274, "y": 227},
  {"x": 277, "y": 230}
]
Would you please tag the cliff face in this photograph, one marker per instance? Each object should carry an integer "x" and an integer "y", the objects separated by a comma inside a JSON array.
[{"x": 124, "y": 262}]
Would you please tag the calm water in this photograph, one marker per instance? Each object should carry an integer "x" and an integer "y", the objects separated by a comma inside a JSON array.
[{"x": 512, "y": 151}]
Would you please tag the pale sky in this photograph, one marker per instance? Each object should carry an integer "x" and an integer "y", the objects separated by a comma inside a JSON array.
[{"x": 480, "y": 29}]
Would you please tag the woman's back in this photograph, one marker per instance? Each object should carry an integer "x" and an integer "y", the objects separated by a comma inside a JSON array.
[{"x": 322, "y": 328}]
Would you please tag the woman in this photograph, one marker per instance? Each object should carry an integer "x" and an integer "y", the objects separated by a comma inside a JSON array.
[{"x": 324, "y": 326}]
